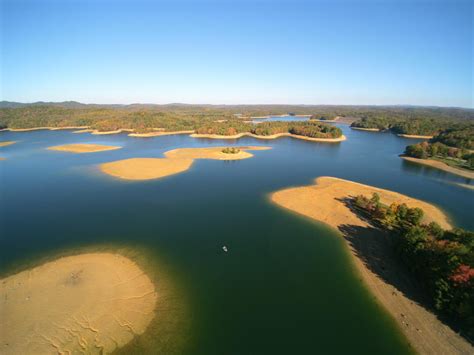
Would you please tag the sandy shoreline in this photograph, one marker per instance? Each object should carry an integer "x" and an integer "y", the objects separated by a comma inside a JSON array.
[
  {"x": 414, "y": 136},
  {"x": 441, "y": 166},
  {"x": 158, "y": 134},
  {"x": 274, "y": 136},
  {"x": 83, "y": 148},
  {"x": 373, "y": 257},
  {"x": 43, "y": 128},
  {"x": 366, "y": 129},
  {"x": 95, "y": 302}
]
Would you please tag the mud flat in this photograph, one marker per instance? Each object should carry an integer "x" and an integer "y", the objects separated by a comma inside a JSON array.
[
  {"x": 89, "y": 303},
  {"x": 212, "y": 153},
  {"x": 374, "y": 259},
  {"x": 83, "y": 148},
  {"x": 7, "y": 143},
  {"x": 441, "y": 166}
]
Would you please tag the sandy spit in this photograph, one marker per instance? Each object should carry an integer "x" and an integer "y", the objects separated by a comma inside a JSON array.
[
  {"x": 274, "y": 136},
  {"x": 414, "y": 136},
  {"x": 83, "y": 148},
  {"x": 441, "y": 166},
  {"x": 89, "y": 303},
  {"x": 373, "y": 257},
  {"x": 7, "y": 143}
]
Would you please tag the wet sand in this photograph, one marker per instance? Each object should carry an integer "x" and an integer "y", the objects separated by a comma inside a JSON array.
[
  {"x": 83, "y": 148},
  {"x": 89, "y": 303},
  {"x": 373, "y": 256},
  {"x": 441, "y": 166}
]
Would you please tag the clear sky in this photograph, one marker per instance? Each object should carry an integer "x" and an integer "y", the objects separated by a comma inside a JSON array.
[{"x": 297, "y": 52}]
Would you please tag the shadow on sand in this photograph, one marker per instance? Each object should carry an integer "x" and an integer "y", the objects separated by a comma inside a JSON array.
[{"x": 375, "y": 247}]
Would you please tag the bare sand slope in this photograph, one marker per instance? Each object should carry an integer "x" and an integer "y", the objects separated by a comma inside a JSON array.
[
  {"x": 211, "y": 153},
  {"x": 7, "y": 143},
  {"x": 89, "y": 303},
  {"x": 441, "y": 166},
  {"x": 374, "y": 259},
  {"x": 145, "y": 168},
  {"x": 83, "y": 148}
]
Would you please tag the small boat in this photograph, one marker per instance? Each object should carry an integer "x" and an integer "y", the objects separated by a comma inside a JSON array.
[{"x": 224, "y": 248}]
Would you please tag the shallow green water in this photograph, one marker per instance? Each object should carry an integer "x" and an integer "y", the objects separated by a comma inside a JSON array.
[{"x": 286, "y": 284}]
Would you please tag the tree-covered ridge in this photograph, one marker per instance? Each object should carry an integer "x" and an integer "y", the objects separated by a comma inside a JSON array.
[
  {"x": 460, "y": 137},
  {"x": 144, "y": 116},
  {"x": 302, "y": 128},
  {"x": 442, "y": 261},
  {"x": 414, "y": 125}
]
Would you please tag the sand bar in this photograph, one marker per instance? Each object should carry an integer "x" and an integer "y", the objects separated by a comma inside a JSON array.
[
  {"x": 89, "y": 303},
  {"x": 414, "y": 136},
  {"x": 212, "y": 153},
  {"x": 441, "y": 166},
  {"x": 145, "y": 168},
  {"x": 83, "y": 148},
  {"x": 7, "y": 143},
  {"x": 158, "y": 134},
  {"x": 374, "y": 258},
  {"x": 367, "y": 129}
]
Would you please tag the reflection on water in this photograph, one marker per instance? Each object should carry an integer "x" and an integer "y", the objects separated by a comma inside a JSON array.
[{"x": 285, "y": 283}]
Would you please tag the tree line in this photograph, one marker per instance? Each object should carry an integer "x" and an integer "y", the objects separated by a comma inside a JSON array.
[{"x": 442, "y": 261}]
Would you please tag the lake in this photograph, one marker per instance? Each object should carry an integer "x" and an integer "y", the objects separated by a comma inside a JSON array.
[{"x": 286, "y": 284}]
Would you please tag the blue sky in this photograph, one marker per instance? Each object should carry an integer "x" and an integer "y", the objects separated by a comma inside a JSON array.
[{"x": 297, "y": 52}]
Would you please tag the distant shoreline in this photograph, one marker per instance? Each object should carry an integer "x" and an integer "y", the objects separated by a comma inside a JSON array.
[
  {"x": 159, "y": 132},
  {"x": 440, "y": 166}
]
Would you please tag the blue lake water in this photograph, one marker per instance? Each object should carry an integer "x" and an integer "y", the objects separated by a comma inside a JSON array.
[{"x": 285, "y": 286}]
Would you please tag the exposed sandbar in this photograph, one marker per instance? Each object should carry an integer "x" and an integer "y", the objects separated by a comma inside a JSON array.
[
  {"x": 158, "y": 134},
  {"x": 89, "y": 303},
  {"x": 374, "y": 258},
  {"x": 83, "y": 148},
  {"x": 7, "y": 143},
  {"x": 441, "y": 166},
  {"x": 145, "y": 168},
  {"x": 211, "y": 153},
  {"x": 414, "y": 136},
  {"x": 367, "y": 129}
]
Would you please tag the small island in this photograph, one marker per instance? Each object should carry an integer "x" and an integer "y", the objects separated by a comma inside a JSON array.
[
  {"x": 83, "y": 148},
  {"x": 95, "y": 302},
  {"x": 217, "y": 153}
]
